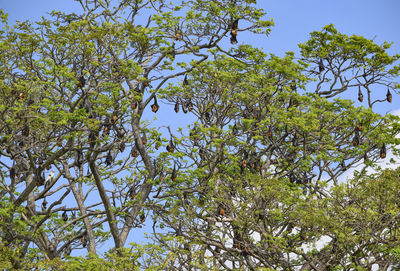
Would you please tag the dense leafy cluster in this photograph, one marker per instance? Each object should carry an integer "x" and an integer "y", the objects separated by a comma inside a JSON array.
[{"x": 253, "y": 178}]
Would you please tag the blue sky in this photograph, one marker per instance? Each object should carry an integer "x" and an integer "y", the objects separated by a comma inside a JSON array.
[{"x": 294, "y": 20}]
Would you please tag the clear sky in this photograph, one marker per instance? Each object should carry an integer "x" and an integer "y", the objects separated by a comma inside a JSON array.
[{"x": 294, "y": 20}]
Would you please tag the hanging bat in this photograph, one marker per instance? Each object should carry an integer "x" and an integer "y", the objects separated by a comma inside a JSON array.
[
  {"x": 174, "y": 174},
  {"x": 171, "y": 146},
  {"x": 234, "y": 129},
  {"x": 108, "y": 159},
  {"x": 64, "y": 216},
  {"x": 360, "y": 127},
  {"x": 114, "y": 117},
  {"x": 293, "y": 85},
  {"x": 21, "y": 96},
  {"x": 178, "y": 34},
  {"x": 144, "y": 139},
  {"x": 234, "y": 31},
  {"x": 84, "y": 240},
  {"x": 12, "y": 173},
  {"x": 44, "y": 205},
  {"x": 189, "y": 105},
  {"x": 79, "y": 157},
  {"x": 356, "y": 139},
  {"x": 382, "y": 152},
  {"x": 185, "y": 81},
  {"x": 269, "y": 133},
  {"x": 176, "y": 107},
  {"x": 121, "y": 147},
  {"x": 155, "y": 106},
  {"x": 360, "y": 95},
  {"x": 389, "y": 96},
  {"x": 221, "y": 210},
  {"x": 134, "y": 152},
  {"x": 134, "y": 105},
  {"x": 321, "y": 66},
  {"x": 158, "y": 143},
  {"x": 73, "y": 217},
  {"x": 25, "y": 130},
  {"x": 132, "y": 193},
  {"x": 81, "y": 81},
  {"x": 92, "y": 137}
]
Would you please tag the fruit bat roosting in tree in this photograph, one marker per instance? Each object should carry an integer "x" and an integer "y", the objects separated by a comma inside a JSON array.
[
  {"x": 84, "y": 240},
  {"x": 389, "y": 96},
  {"x": 171, "y": 146},
  {"x": 134, "y": 105},
  {"x": 321, "y": 65},
  {"x": 108, "y": 159},
  {"x": 382, "y": 152},
  {"x": 25, "y": 130},
  {"x": 44, "y": 205},
  {"x": 134, "y": 152},
  {"x": 221, "y": 210},
  {"x": 155, "y": 106},
  {"x": 178, "y": 34},
  {"x": 12, "y": 173},
  {"x": 176, "y": 107},
  {"x": 356, "y": 139},
  {"x": 79, "y": 157},
  {"x": 185, "y": 81},
  {"x": 360, "y": 95},
  {"x": 64, "y": 216},
  {"x": 174, "y": 174},
  {"x": 81, "y": 81},
  {"x": 234, "y": 31}
]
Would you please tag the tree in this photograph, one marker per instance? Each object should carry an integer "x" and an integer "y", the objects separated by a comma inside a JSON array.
[{"x": 252, "y": 182}]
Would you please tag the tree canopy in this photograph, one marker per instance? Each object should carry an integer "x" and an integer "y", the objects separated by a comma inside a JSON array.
[{"x": 257, "y": 176}]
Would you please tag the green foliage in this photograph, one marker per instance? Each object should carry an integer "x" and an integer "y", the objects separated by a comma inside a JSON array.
[{"x": 256, "y": 180}]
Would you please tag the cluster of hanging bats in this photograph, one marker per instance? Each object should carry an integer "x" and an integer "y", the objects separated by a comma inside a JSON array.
[{"x": 247, "y": 161}]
